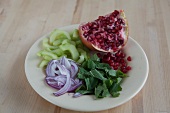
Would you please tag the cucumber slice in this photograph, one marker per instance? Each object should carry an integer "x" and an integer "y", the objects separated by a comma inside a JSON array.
[
  {"x": 72, "y": 49},
  {"x": 57, "y": 34},
  {"x": 47, "y": 45},
  {"x": 43, "y": 63}
]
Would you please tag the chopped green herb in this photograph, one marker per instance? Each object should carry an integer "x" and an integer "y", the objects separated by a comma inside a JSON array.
[{"x": 99, "y": 79}]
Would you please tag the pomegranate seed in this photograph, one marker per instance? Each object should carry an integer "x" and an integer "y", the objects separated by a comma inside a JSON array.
[
  {"x": 109, "y": 54},
  {"x": 99, "y": 55},
  {"x": 119, "y": 20},
  {"x": 100, "y": 40},
  {"x": 110, "y": 38},
  {"x": 106, "y": 58},
  {"x": 122, "y": 55},
  {"x": 123, "y": 22},
  {"x": 115, "y": 67},
  {"x": 114, "y": 58},
  {"x": 85, "y": 34},
  {"x": 116, "y": 23},
  {"x": 101, "y": 17},
  {"x": 124, "y": 70},
  {"x": 120, "y": 27},
  {"x": 98, "y": 36},
  {"x": 117, "y": 44},
  {"x": 124, "y": 64},
  {"x": 122, "y": 61},
  {"x": 102, "y": 44},
  {"x": 121, "y": 41},
  {"x": 128, "y": 68},
  {"x": 129, "y": 58},
  {"x": 117, "y": 64},
  {"x": 111, "y": 63},
  {"x": 114, "y": 30},
  {"x": 89, "y": 39},
  {"x": 117, "y": 54},
  {"x": 118, "y": 59}
]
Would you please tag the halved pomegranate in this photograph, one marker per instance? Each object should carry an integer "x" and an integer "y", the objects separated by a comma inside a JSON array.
[{"x": 108, "y": 33}]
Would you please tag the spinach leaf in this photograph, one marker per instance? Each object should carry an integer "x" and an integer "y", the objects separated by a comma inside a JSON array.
[
  {"x": 91, "y": 83},
  {"x": 84, "y": 64},
  {"x": 105, "y": 90},
  {"x": 97, "y": 74},
  {"x": 115, "y": 94},
  {"x": 114, "y": 89},
  {"x": 112, "y": 73},
  {"x": 98, "y": 91},
  {"x": 84, "y": 92},
  {"x": 95, "y": 58},
  {"x": 108, "y": 82},
  {"x": 120, "y": 74},
  {"x": 101, "y": 91},
  {"x": 91, "y": 64}
]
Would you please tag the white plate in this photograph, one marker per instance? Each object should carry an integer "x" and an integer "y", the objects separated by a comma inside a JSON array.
[{"x": 131, "y": 85}]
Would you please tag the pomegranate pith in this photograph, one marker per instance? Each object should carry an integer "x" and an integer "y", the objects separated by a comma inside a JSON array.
[{"x": 108, "y": 33}]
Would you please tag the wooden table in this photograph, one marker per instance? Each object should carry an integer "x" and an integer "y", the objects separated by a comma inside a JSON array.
[{"x": 22, "y": 22}]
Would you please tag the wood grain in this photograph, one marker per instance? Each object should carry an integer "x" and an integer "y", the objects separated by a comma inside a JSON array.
[{"x": 22, "y": 22}]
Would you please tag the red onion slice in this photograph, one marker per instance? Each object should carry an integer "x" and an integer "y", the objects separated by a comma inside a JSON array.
[
  {"x": 67, "y": 85},
  {"x": 61, "y": 75},
  {"x": 73, "y": 69},
  {"x": 64, "y": 61},
  {"x": 51, "y": 68},
  {"x": 58, "y": 82},
  {"x": 74, "y": 87}
]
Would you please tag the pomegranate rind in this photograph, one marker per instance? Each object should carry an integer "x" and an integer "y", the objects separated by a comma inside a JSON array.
[{"x": 94, "y": 47}]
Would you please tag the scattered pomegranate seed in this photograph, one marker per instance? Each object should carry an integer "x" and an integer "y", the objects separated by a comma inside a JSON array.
[
  {"x": 124, "y": 71},
  {"x": 128, "y": 68},
  {"x": 129, "y": 58},
  {"x": 117, "y": 61}
]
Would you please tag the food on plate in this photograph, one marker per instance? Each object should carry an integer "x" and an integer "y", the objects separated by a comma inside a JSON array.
[
  {"x": 61, "y": 74},
  {"x": 99, "y": 79},
  {"x": 108, "y": 33},
  {"x": 71, "y": 67},
  {"x": 60, "y": 43},
  {"x": 117, "y": 60}
]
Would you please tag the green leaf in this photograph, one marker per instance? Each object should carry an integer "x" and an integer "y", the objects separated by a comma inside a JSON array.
[
  {"x": 95, "y": 73},
  {"x": 84, "y": 64},
  {"x": 108, "y": 82},
  {"x": 95, "y": 58},
  {"x": 105, "y": 90},
  {"x": 112, "y": 73},
  {"x": 82, "y": 87},
  {"x": 120, "y": 74},
  {"x": 98, "y": 91},
  {"x": 103, "y": 66},
  {"x": 84, "y": 92},
  {"x": 91, "y": 64},
  {"x": 114, "y": 89},
  {"x": 91, "y": 83},
  {"x": 82, "y": 73},
  {"x": 80, "y": 76},
  {"x": 119, "y": 80},
  {"x": 115, "y": 94},
  {"x": 101, "y": 91}
]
